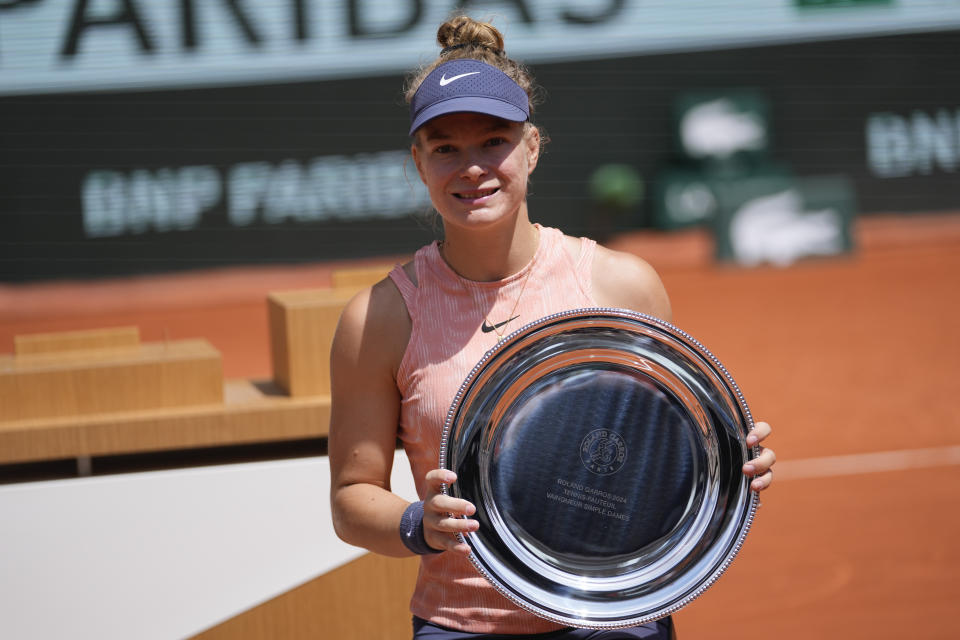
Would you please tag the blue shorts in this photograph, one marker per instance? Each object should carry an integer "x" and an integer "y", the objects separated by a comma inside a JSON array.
[{"x": 659, "y": 630}]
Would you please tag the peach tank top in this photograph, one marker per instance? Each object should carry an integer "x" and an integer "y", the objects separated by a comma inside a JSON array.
[{"x": 446, "y": 342}]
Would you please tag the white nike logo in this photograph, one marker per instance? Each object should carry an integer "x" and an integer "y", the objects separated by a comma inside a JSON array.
[{"x": 444, "y": 80}]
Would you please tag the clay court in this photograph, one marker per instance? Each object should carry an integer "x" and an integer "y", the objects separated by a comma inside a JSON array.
[{"x": 852, "y": 359}]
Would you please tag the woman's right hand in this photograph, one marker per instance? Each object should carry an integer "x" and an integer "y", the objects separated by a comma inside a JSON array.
[{"x": 443, "y": 514}]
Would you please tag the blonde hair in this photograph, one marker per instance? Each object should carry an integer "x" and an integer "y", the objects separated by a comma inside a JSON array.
[{"x": 463, "y": 37}]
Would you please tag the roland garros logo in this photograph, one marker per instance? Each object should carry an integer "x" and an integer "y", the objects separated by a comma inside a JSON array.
[{"x": 603, "y": 452}]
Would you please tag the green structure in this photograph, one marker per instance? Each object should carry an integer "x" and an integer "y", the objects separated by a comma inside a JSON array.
[{"x": 724, "y": 175}]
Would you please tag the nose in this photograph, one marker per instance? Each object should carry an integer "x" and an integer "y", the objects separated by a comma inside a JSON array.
[{"x": 473, "y": 167}]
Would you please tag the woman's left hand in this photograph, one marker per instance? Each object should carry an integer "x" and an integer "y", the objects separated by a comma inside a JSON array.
[{"x": 761, "y": 467}]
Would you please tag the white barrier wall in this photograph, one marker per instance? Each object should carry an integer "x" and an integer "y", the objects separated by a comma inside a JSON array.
[{"x": 166, "y": 554}]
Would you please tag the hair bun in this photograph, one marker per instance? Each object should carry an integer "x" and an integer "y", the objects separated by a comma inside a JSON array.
[{"x": 463, "y": 31}]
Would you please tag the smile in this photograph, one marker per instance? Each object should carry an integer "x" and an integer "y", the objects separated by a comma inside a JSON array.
[{"x": 476, "y": 195}]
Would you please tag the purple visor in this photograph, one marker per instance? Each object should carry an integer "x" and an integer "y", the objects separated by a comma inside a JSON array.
[{"x": 468, "y": 85}]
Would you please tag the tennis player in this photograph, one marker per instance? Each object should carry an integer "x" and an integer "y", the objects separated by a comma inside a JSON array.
[{"x": 404, "y": 346}]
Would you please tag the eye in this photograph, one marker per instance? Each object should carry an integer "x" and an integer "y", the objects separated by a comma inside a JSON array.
[
  {"x": 497, "y": 141},
  {"x": 443, "y": 148}
]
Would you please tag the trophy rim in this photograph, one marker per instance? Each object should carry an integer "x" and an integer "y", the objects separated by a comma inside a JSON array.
[{"x": 747, "y": 504}]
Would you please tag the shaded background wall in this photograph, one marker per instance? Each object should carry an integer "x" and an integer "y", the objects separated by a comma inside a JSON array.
[{"x": 139, "y": 139}]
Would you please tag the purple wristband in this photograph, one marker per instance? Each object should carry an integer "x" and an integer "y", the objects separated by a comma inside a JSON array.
[{"x": 411, "y": 530}]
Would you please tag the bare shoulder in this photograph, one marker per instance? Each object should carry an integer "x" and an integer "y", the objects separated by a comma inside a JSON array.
[
  {"x": 626, "y": 281},
  {"x": 374, "y": 328}
]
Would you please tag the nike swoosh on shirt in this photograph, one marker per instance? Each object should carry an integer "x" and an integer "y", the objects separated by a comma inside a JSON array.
[
  {"x": 444, "y": 80},
  {"x": 487, "y": 328}
]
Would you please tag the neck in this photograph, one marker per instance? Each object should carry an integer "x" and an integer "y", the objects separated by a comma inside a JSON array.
[{"x": 490, "y": 254}]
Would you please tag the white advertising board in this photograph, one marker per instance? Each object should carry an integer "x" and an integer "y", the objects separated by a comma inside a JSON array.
[{"x": 89, "y": 45}]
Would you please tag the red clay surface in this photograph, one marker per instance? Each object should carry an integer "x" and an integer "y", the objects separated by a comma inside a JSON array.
[{"x": 848, "y": 355}]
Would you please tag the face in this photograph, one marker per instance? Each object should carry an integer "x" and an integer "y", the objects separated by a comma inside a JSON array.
[{"x": 476, "y": 166}]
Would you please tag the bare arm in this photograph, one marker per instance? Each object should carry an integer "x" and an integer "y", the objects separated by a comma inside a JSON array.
[
  {"x": 363, "y": 421},
  {"x": 367, "y": 349}
]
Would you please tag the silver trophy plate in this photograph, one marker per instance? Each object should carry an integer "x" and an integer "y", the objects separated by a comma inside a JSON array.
[{"x": 602, "y": 449}]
